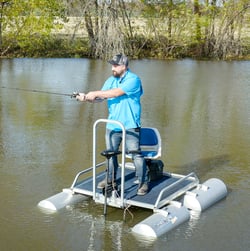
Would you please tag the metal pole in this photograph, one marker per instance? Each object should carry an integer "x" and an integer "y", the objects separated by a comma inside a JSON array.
[{"x": 106, "y": 188}]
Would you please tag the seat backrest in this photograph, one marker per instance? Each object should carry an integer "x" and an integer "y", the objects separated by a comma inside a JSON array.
[{"x": 150, "y": 143}]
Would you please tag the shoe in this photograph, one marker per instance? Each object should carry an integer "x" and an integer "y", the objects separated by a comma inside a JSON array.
[
  {"x": 102, "y": 184},
  {"x": 143, "y": 189},
  {"x": 136, "y": 181}
]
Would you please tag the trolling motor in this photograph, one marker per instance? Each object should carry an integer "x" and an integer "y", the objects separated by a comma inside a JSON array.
[{"x": 109, "y": 187}]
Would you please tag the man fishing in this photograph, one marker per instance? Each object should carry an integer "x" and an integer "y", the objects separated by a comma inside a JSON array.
[{"x": 122, "y": 91}]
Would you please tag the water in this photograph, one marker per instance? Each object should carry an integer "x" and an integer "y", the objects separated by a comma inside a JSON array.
[{"x": 201, "y": 110}]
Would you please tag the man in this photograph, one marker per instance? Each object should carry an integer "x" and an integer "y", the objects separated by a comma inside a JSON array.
[{"x": 122, "y": 91}]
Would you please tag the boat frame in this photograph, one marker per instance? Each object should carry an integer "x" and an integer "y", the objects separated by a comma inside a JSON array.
[
  {"x": 160, "y": 192},
  {"x": 171, "y": 197}
]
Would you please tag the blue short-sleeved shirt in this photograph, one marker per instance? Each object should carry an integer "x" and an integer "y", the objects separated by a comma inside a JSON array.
[{"x": 126, "y": 108}]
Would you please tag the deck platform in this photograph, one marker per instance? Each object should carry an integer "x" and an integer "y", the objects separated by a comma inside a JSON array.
[
  {"x": 164, "y": 195},
  {"x": 161, "y": 192}
]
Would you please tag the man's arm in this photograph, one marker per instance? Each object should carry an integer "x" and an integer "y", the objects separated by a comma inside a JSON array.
[{"x": 100, "y": 95}]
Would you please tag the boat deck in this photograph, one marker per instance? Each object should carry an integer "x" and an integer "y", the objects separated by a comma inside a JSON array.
[{"x": 161, "y": 192}]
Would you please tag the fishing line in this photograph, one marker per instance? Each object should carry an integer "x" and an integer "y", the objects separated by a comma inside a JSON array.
[{"x": 73, "y": 95}]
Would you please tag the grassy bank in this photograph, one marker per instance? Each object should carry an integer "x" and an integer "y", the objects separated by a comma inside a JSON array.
[
  {"x": 71, "y": 41},
  {"x": 64, "y": 47}
]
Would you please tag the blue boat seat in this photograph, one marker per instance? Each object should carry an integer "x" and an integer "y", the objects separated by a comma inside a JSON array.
[{"x": 150, "y": 143}]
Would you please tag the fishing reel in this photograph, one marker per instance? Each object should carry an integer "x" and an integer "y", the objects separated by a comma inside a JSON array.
[{"x": 74, "y": 94}]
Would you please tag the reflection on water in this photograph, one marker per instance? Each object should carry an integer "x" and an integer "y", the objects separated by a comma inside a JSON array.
[
  {"x": 192, "y": 223},
  {"x": 201, "y": 110},
  {"x": 96, "y": 227}
]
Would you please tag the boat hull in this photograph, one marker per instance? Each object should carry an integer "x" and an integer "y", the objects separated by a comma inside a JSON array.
[{"x": 61, "y": 200}]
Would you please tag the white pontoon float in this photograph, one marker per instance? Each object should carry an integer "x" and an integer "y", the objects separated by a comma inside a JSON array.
[{"x": 171, "y": 196}]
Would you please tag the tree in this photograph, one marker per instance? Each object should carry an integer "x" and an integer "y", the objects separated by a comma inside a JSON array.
[
  {"x": 107, "y": 23},
  {"x": 223, "y": 28},
  {"x": 228, "y": 37},
  {"x": 2, "y": 6},
  {"x": 109, "y": 27},
  {"x": 24, "y": 23},
  {"x": 210, "y": 28}
]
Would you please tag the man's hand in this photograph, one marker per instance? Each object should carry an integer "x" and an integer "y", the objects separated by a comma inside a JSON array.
[
  {"x": 81, "y": 96},
  {"x": 92, "y": 96}
]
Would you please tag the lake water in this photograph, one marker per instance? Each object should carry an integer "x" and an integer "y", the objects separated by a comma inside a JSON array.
[{"x": 202, "y": 110}]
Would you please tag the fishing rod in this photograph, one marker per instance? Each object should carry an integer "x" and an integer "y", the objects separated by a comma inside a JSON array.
[{"x": 73, "y": 95}]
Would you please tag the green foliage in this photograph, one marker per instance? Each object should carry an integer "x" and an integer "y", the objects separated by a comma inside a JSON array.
[
  {"x": 160, "y": 29},
  {"x": 26, "y": 22},
  {"x": 202, "y": 29},
  {"x": 52, "y": 46}
]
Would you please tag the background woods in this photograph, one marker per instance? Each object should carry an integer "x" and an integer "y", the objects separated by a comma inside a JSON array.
[
  {"x": 26, "y": 25},
  {"x": 154, "y": 28}
]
